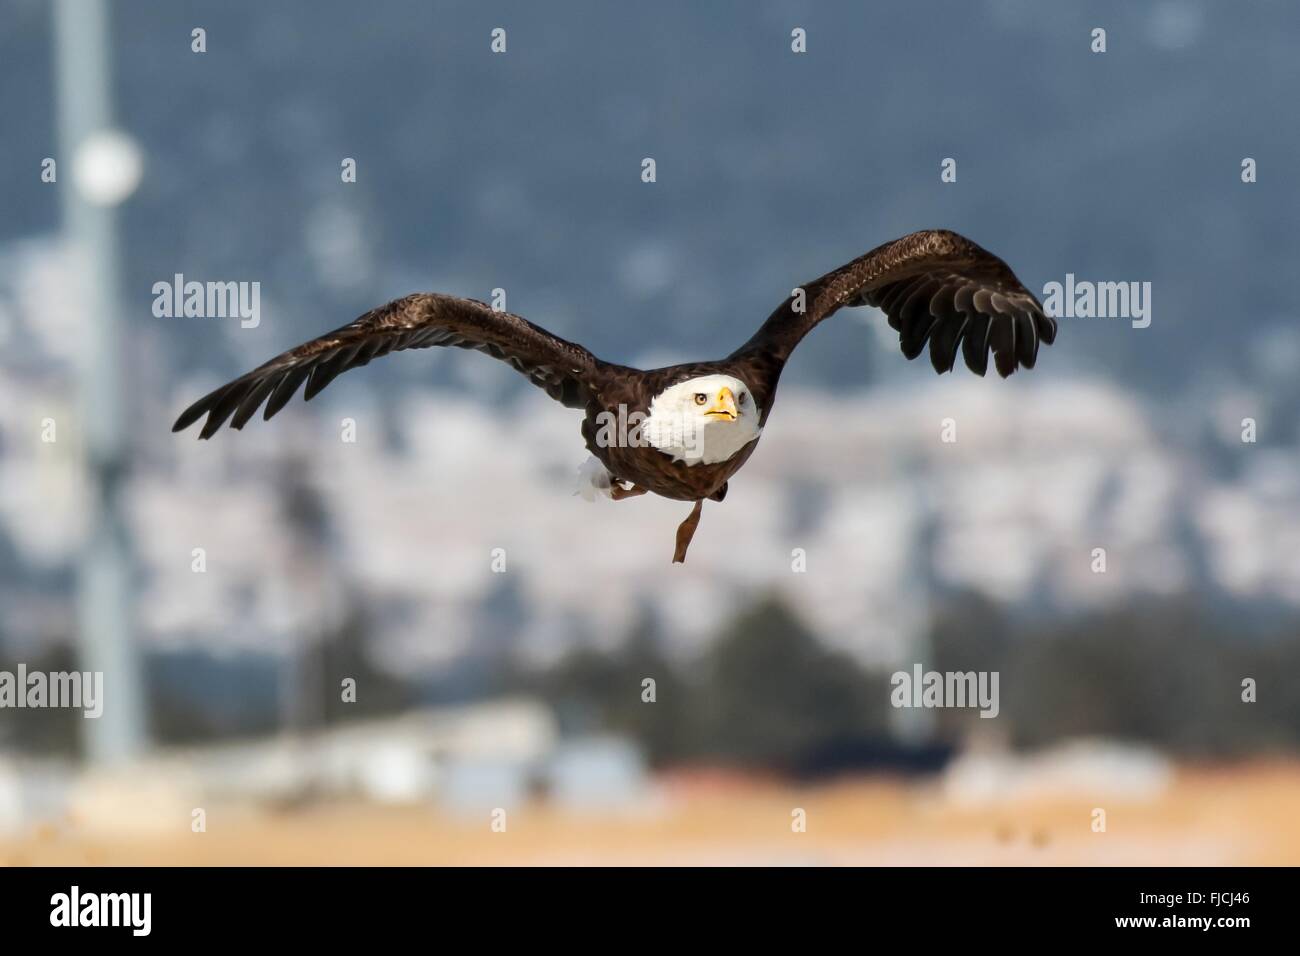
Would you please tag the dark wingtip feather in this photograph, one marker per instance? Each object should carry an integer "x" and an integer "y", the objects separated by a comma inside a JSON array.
[
  {"x": 1002, "y": 335},
  {"x": 189, "y": 416},
  {"x": 212, "y": 425},
  {"x": 1046, "y": 326},
  {"x": 225, "y": 401},
  {"x": 1005, "y": 361},
  {"x": 252, "y": 401},
  {"x": 975, "y": 347},
  {"x": 320, "y": 376},
  {"x": 200, "y": 408},
  {"x": 945, "y": 341},
  {"x": 916, "y": 332},
  {"x": 284, "y": 391},
  {"x": 1026, "y": 339}
]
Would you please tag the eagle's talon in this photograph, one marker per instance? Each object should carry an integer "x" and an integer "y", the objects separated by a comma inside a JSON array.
[
  {"x": 618, "y": 492},
  {"x": 686, "y": 531}
]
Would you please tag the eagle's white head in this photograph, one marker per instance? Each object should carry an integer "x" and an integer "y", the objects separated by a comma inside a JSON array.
[{"x": 702, "y": 420}]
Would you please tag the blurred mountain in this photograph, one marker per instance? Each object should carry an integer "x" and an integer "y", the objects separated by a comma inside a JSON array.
[{"x": 521, "y": 170}]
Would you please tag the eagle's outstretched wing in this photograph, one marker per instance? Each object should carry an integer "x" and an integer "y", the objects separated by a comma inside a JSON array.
[
  {"x": 935, "y": 286},
  {"x": 566, "y": 371}
]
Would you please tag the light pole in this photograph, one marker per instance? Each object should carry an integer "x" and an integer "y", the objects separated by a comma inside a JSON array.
[{"x": 105, "y": 167}]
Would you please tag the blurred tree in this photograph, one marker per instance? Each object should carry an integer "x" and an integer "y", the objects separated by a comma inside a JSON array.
[
  {"x": 605, "y": 692},
  {"x": 346, "y": 654},
  {"x": 970, "y": 633},
  {"x": 773, "y": 694},
  {"x": 1166, "y": 673},
  {"x": 44, "y": 731},
  {"x": 196, "y": 697}
]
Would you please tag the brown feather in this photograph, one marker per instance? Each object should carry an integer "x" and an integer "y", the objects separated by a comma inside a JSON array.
[
  {"x": 935, "y": 287},
  {"x": 567, "y": 372}
]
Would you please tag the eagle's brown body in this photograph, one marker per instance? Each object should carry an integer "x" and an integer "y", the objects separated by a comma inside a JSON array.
[
  {"x": 935, "y": 286},
  {"x": 629, "y": 392}
]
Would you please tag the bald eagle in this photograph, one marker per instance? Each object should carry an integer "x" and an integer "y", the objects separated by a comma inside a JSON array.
[{"x": 682, "y": 431}]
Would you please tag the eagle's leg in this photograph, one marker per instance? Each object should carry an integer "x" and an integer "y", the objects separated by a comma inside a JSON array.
[
  {"x": 618, "y": 492},
  {"x": 686, "y": 531}
]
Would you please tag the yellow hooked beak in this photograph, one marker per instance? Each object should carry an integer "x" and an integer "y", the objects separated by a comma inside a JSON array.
[{"x": 723, "y": 407}]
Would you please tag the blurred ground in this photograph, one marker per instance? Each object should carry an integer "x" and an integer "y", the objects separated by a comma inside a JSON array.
[{"x": 1241, "y": 815}]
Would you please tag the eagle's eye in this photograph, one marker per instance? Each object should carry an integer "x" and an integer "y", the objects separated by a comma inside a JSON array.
[
  {"x": 700, "y": 398},
  {"x": 740, "y": 399}
]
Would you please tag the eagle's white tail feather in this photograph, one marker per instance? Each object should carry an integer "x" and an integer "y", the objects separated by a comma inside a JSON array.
[{"x": 593, "y": 480}]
